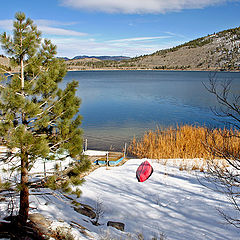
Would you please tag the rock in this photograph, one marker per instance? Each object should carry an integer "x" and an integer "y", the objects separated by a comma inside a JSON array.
[
  {"x": 40, "y": 222},
  {"x": 118, "y": 225},
  {"x": 2, "y": 199},
  {"x": 36, "y": 228},
  {"x": 38, "y": 218},
  {"x": 86, "y": 211}
]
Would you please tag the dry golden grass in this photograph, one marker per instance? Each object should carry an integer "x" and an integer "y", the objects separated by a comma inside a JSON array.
[{"x": 185, "y": 142}]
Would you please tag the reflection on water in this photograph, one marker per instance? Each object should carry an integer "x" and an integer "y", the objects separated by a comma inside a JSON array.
[{"x": 117, "y": 105}]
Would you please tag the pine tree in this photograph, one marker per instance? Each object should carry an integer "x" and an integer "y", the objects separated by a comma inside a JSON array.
[{"x": 36, "y": 116}]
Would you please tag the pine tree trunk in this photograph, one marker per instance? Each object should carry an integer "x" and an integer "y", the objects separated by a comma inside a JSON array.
[
  {"x": 24, "y": 193},
  {"x": 21, "y": 63},
  {"x": 22, "y": 75}
]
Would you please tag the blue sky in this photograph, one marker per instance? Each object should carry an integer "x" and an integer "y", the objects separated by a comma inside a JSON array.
[{"x": 122, "y": 27}]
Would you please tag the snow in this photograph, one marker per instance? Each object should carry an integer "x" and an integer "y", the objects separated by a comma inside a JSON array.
[
  {"x": 170, "y": 202},
  {"x": 37, "y": 171},
  {"x": 95, "y": 153}
]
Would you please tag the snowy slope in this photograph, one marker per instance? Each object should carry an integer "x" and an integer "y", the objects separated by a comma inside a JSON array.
[{"x": 172, "y": 202}]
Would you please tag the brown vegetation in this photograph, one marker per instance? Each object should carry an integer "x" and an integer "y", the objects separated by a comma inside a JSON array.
[{"x": 187, "y": 142}]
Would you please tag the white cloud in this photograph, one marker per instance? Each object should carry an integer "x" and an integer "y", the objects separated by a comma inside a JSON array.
[
  {"x": 71, "y": 43},
  {"x": 70, "y": 47},
  {"x": 53, "y": 22},
  {"x": 140, "y": 6},
  {"x": 6, "y": 24},
  {"x": 73, "y": 46},
  {"x": 47, "y": 27},
  {"x": 139, "y": 39},
  {"x": 59, "y": 31}
]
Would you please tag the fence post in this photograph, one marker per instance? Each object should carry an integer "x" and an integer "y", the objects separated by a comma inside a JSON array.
[
  {"x": 86, "y": 144},
  {"x": 125, "y": 149},
  {"x": 107, "y": 160},
  {"x": 44, "y": 166}
]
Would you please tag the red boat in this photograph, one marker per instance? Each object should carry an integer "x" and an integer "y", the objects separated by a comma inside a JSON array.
[{"x": 144, "y": 171}]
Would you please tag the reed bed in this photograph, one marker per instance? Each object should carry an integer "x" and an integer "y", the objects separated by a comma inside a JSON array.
[{"x": 185, "y": 142}]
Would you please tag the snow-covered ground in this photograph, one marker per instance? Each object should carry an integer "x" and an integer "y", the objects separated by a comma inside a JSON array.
[
  {"x": 170, "y": 202},
  {"x": 95, "y": 153}
]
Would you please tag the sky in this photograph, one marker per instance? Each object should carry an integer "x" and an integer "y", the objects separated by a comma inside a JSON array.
[{"x": 121, "y": 27}]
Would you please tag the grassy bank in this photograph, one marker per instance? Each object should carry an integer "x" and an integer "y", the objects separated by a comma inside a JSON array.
[{"x": 186, "y": 142}]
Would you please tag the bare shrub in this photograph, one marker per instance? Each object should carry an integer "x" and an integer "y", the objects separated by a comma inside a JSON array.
[{"x": 225, "y": 175}]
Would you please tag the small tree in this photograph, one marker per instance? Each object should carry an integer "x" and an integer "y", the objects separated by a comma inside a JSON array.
[
  {"x": 36, "y": 116},
  {"x": 226, "y": 179}
]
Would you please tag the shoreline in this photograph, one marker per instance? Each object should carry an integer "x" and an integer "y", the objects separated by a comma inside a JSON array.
[
  {"x": 139, "y": 69},
  {"x": 149, "y": 69}
]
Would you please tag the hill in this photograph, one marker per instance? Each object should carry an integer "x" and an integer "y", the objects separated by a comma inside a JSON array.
[
  {"x": 218, "y": 51},
  {"x": 4, "y": 63},
  {"x": 113, "y": 58}
]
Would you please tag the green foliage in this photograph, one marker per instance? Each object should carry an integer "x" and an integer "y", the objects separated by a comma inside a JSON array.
[
  {"x": 40, "y": 118},
  {"x": 81, "y": 166},
  {"x": 75, "y": 174},
  {"x": 25, "y": 41},
  {"x": 5, "y": 185},
  {"x": 64, "y": 181},
  {"x": 36, "y": 116},
  {"x": 77, "y": 180},
  {"x": 164, "y": 67},
  {"x": 103, "y": 64},
  {"x": 77, "y": 192},
  {"x": 65, "y": 186},
  {"x": 4, "y": 69},
  {"x": 51, "y": 182},
  {"x": 233, "y": 32}
]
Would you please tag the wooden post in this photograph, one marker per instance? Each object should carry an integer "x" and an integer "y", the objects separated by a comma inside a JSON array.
[
  {"x": 107, "y": 161},
  {"x": 125, "y": 149},
  {"x": 45, "y": 172},
  {"x": 86, "y": 144}
]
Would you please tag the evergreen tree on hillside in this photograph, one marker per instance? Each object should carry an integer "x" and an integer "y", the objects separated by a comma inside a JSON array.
[{"x": 36, "y": 116}]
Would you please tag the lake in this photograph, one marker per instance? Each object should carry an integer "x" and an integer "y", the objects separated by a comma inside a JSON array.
[{"x": 117, "y": 105}]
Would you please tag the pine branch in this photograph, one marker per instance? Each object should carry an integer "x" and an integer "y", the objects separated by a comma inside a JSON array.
[
  {"x": 53, "y": 105},
  {"x": 11, "y": 74},
  {"x": 10, "y": 158},
  {"x": 27, "y": 121},
  {"x": 59, "y": 143},
  {"x": 17, "y": 93},
  {"x": 35, "y": 77},
  {"x": 51, "y": 123}
]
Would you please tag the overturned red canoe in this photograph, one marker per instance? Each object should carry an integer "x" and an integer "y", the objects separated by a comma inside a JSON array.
[{"x": 144, "y": 171}]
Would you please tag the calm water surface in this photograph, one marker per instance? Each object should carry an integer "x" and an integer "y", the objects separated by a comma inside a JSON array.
[{"x": 117, "y": 105}]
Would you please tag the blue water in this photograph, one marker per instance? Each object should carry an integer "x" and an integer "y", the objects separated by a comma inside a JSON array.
[{"x": 117, "y": 105}]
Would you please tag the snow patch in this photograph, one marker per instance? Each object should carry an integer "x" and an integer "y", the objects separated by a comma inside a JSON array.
[{"x": 170, "y": 202}]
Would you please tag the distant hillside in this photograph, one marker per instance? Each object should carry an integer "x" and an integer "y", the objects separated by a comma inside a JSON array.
[
  {"x": 64, "y": 58},
  {"x": 216, "y": 51},
  {"x": 4, "y": 64},
  {"x": 113, "y": 58}
]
